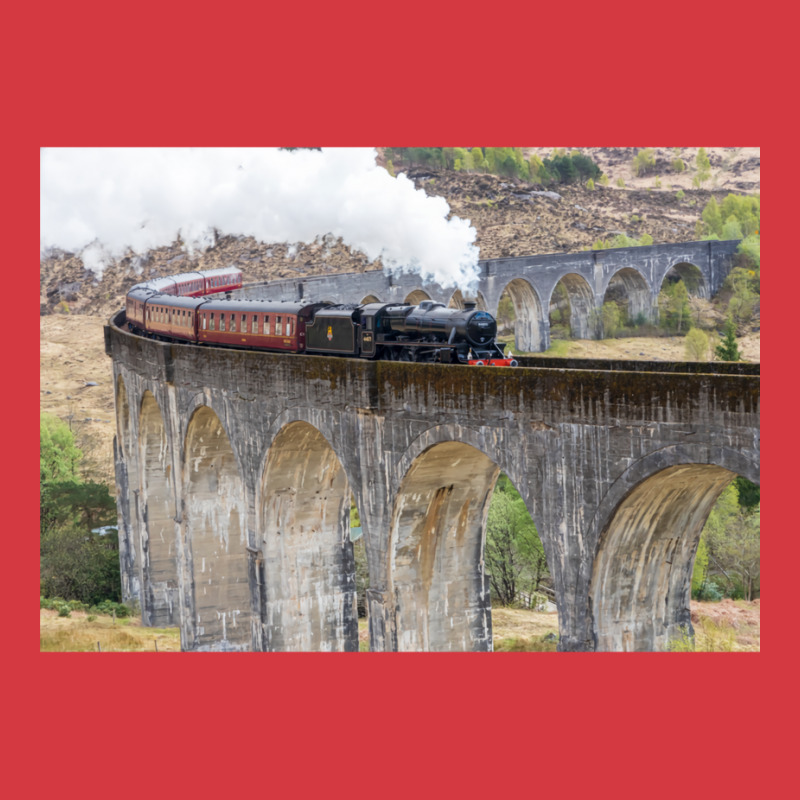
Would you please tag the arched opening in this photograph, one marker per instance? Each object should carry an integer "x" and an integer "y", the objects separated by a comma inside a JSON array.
[
  {"x": 643, "y": 572},
  {"x": 520, "y": 316},
  {"x": 309, "y": 568},
  {"x": 370, "y": 298},
  {"x": 436, "y": 551},
  {"x": 159, "y": 540},
  {"x": 684, "y": 294},
  {"x": 626, "y": 303},
  {"x": 216, "y": 531},
  {"x": 416, "y": 297},
  {"x": 457, "y": 300},
  {"x": 571, "y": 309},
  {"x": 692, "y": 277}
]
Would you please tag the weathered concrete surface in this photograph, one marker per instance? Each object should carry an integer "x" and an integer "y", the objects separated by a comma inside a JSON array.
[
  {"x": 618, "y": 470},
  {"x": 632, "y": 275}
]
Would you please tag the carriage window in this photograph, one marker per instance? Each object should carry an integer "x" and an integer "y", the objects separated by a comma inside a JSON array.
[
  {"x": 243, "y": 328},
  {"x": 211, "y": 324},
  {"x": 205, "y": 321},
  {"x": 222, "y": 322},
  {"x": 255, "y": 323},
  {"x": 266, "y": 323},
  {"x": 290, "y": 326},
  {"x": 278, "y": 321},
  {"x": 233, "y": 322}
]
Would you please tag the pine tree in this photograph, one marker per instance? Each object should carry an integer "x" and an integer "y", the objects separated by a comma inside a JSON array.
[{"x": 729, "y": 350}]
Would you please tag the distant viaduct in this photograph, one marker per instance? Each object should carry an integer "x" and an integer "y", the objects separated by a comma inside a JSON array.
[
  {"x": 235, "y": 472},
  {"x": 634, "y": 275}
]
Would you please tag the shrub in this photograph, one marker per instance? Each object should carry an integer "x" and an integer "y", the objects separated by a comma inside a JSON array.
[
  {"x": 620, "y": 183},
  {"x": 680, "y": 194},
  {"x": 678, "y": 165},
  {"x": 63, "y": 610}
]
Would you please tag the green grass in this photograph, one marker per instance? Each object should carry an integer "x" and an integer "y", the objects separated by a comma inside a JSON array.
[{"x": 521, "y": 644}]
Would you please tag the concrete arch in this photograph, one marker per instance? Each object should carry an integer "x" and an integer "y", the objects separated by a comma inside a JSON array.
[
  {"x": 629, "y": 288},
  {"x": 370, "y": 298},
  {"x": 457, "y": 300},
  {"x": 158, "y": 535},
  {"x": 415, "y": 297},
  {"x": 309, "y": 568},
  {"x": 483, "y": 441},
  {"x": 201, "y": 400},
  {"x": 641, "y": 578},
  {"x": 215, "y": 529},
  {"x": 436, "y": 546},
  {"x": 529, "y": 315},
  {"x": 579, "y": 306},
  {"x": 692, "y": 277}
]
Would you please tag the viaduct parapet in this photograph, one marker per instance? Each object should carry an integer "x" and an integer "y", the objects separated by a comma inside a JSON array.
[
  {"x": 235, "y": 472},
  {"x": 634, "y": 275}
]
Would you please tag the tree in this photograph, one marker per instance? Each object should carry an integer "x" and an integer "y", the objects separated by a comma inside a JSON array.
[
  {"x": 703, "y": 165},
  {"x": 58, "y": 455},
  {"x": 750, "y": 248},
  {"x": 514, "y": 554},
  {"x": 733, "y": 538},
  {"x": 728, "y": 350},
  {"x": 712, "y": 217},
  {"x": 75, "y": 563},
  {"x": 673, "y": 302},
  {"x": 611, "y": 317},
  {"x": 478, "y": 162},
  {"x": 644, "y": 161},
  {"x": 697, "y": 345}
]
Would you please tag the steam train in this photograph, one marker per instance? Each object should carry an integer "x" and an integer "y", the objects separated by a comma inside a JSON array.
[{"x": 184, "y": 308}]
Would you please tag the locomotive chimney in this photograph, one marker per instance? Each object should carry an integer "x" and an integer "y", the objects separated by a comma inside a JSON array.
[{"x": 469, "y": 303}]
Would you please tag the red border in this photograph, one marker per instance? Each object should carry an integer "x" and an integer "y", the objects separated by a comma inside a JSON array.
[{"x": 387, "y": 724}]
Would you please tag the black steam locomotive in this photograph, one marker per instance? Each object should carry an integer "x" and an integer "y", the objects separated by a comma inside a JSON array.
[{"x": 427, "y": 332}]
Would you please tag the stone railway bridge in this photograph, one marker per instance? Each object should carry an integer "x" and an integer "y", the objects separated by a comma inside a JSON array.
[
  {"x": 235, "y": 471},
  {"x": 631, "y": 275}
]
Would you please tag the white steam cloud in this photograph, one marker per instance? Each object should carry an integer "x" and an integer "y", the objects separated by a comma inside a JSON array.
[{"x": 104, "y": 203}]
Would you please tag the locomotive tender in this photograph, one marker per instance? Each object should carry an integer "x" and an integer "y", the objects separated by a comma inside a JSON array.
[{"x": 183, "y": 308}]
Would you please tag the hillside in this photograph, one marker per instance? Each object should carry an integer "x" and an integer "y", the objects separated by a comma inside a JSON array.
[{"x": 511, "y": 218}]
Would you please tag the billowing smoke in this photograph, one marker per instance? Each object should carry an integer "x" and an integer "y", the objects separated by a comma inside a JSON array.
[{"x": 105, "y": 203}]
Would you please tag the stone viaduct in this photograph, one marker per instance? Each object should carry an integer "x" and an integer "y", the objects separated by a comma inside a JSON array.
[
  {"x": 235, "y": 472},
  {"x": 632, "y": 275}
]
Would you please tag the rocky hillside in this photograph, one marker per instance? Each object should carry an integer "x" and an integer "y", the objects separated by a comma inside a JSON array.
[{"x": 512, "y": 219}]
